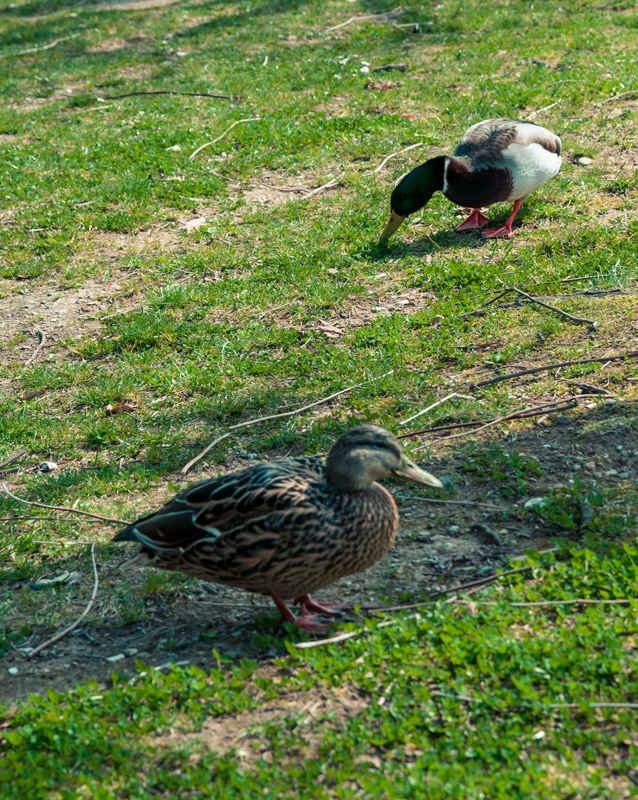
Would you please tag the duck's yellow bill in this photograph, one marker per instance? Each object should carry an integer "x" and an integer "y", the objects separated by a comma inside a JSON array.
[
  {"x": 390, "y": 228},
  {"x": 413, "y": 473}
]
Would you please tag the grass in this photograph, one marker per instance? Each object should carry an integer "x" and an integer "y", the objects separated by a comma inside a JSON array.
[
  {"x": 453, "y": 698},
  {"x": 203, "y": 328}
]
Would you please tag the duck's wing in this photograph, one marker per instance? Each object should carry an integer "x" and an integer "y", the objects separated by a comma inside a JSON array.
[
  {"x": 210, "y": 508},
  {"x": 487, "y": 141}
]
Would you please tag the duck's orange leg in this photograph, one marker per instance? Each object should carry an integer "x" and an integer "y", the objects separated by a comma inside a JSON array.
[
  {"x": 505, "y": 230},
  {"x": 306, "y": 603},
  {"x": 309, "y": 623},
  {"x": 475, "y": 220}
]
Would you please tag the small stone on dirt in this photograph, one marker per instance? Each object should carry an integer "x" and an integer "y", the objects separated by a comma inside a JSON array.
[
  {"x": 623, "y": 476},
  {"x": 536, "y": 502},
  {"x": 118, "y": 657},
  {"x": 584, "y": 161},
  {"x": 12, "y": 670},
  {"x": 563, "y": 420}
]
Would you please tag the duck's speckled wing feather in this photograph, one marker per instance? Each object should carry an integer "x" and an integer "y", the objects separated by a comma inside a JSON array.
[
  {"x": 487, "y": 141},
  {"x": 275, "y": 528},
  {"x": 212, "y": 507}
]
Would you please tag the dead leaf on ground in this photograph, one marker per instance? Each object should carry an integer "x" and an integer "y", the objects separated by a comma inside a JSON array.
[
  {"x": 110, "y": 410},
  {"x": 34, "y": 393},
  {"x": 330, "y": 330},
  {"x": 194, "y": 224},
  {"x": 381, "y": 86}
]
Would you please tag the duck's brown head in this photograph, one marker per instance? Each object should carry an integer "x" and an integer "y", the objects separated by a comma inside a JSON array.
[{"x": 368, "y": 453}]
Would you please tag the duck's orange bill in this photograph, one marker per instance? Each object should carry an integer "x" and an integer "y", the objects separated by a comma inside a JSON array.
[{"x": 390, "y": 228}]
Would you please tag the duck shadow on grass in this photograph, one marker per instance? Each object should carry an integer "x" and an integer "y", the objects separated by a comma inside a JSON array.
[
  {"x": 437, "y": 547},
  {"x": 446, "y": 239}
]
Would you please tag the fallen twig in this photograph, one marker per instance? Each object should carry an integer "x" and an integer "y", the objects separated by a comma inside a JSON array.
[
  {"x": 232, "y": 428},
  {"x": 519, "y": 413},
  {"x": 386, "y": 15},
  {"x": 553, "y": 308},
  {"x": 169, "y": 91},
  {"x": 433, "y": 597},
  {"x": 74, "y": 625},
  {"x": 575, "y": 362},
  {"x": 523, "y": 415},
  {"x": 13, "y": 458},
  {"x": 63, "y": 508},
  {"x": 434, "y": 405},
  {"x": 392, "y": 155},
  {"x": 616, "y": 97},
  {"x": 319, "y": 642},
  {"x": 479, "y": 311},
  {"x": 348, "y": 635},
  {"x": 320, "y": 189},
  {"x": 549, "y": 283},
  {"x": 443, "y": 428},
  {"x": 591, "y": 388},
  {"x": 38, "y": 348},
  {"x": 219, "y": 138},
  {"x": 540, "y": 110},
  {"x": 391, "y": 67},
  {"x": 39, "y": 49},
  {"x": 341, "y": 637},
  {"x": 593, "y": 705},
  {"x": 474, "y": 503}
]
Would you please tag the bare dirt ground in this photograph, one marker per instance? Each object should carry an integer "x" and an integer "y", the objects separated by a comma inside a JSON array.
[{"x": 439, "y": 546}]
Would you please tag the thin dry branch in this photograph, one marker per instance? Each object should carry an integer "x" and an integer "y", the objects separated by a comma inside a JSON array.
[
  {"x": 434, "y": 405},
  {"x": 170, "y": 91},
  {"x": 593, "y": 705},
  {"x": 39, "y": 49},
  {"x": 343, "y": 636},
  {"x": 575, "y": 362},
  {"x": 553, "y": 308},
  {"x": 531, "y": 298},
  {"x": 393, "y": 155},
  {"x": 38, "y": 348},
  {"x": 434, "y": 597},
  {"x": 232, "y": 428},
  {"x": 219, "y": 138},
  {"x": 386, "y": 15},
  {"x": 515, "y": 414},
  {"x": 474, "y": 503},
  {"x": 391, "y": 67},
  {"x": 523, "y": 415},
  {"x": 74, "y": 625},
  {"x": 540, "y": 110},
  {"x": 320, "y": 189},
  {"x": 63, "y": 508},
  {"x": 616, "y": 97},
  {"x": 12, "y": 458},
  {"x": 444, "y": 428}
]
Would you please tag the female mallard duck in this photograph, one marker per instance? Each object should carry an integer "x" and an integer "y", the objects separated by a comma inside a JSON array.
[
  {"x": 286, "y": 528},
  {"x": 498, "y": 160}
]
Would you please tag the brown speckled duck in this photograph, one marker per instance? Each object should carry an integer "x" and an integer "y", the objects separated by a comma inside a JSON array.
[
  {"x": 496, "y": 161},
  {"x": 286, "y": 528}
]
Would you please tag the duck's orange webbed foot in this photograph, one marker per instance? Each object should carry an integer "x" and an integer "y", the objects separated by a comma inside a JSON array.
[
  {"x": 307, "y": 622},
  {"x": 505, "y": 230},
  {"x": 306, "y": 603},
  {"x": 475, "y": 220}
]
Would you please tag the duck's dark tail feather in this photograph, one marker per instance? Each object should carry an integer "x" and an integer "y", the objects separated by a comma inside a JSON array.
[{"x": 126, "y": 535}]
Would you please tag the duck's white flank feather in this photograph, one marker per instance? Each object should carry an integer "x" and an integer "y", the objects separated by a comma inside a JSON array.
[{"x": 531, "y": 166}]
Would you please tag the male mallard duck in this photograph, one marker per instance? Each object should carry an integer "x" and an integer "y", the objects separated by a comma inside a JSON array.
[
  {"x": 286, "y": 528},
  {"x": 496, "y": 161}
]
